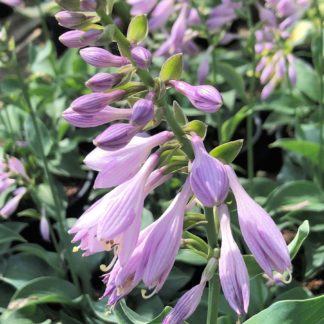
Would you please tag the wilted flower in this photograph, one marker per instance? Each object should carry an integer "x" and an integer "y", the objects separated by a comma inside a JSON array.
[
  {"x": 116, "y": 167},
  {"x": 259, "y": 231},
  {"x": 204, "y": 97},
  {"x": 233, "y": 274},
  {"x": 208, "y": 177}
]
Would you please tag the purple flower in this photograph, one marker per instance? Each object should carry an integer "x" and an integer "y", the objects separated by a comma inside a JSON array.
[
  {"x": 116, "y": 136},
  {"x": 88, "y": 5},
  {"x": 259, "y": 231},
  {"x": 44, "y": 228},
  {"x": 208, "y": 177},
  {"x": 233, "y": 274},
  {"x": 115, "y": 219},
  {"x": 186, "y": 305},
  {"x": 101, "y": 82},
  {"x": 12, "y": 3},
  {"x": 142, "y": 112},
  {"x": 203, "y": 69},
  {"x": 10, "y": 207},
  {"x": 160, "y": 14},
  {"x": 142, "y": 57},
  {"x": 100, "y": 57},
  {"x": 71, "y": 19},
  {"x": 154, "y": 255},
  {"x": 116, "y": 167},
  {"x": 80, "y": 38},
  {"x": 140, "y": 7},
  {"x": 204, "y": 97},
  {"x": 16, "y": 167},
  {"x": 105, "y": 115},
  {"x": 94, "y": 102}
]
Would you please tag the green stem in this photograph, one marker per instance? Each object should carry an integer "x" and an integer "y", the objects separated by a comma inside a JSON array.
[
  {"x": 321, "y": 93},
  {"x": 249, "y": 120},
  {"x": 213, "y": 285},
  {"x": 56, "y": 199}
]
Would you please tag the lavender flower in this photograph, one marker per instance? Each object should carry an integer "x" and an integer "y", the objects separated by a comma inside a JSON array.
[
  {"x": 233, "y": 274},
  {"x": 71, "y": 19},
  {"x": 10, "y": 207},
  {"x": 160, "y": 14},
  {"x": 116, "y": 167},
  {"x": 116, "y": 136},
  {"x": 204, "y": 97},
  {"x": 88, "y": 5},
  {"x": 115, "y": 219},
  {"x": 186, "y": 305},
  {"x": 142, "y": 112},
  {"x": 142, "y": 57},
  {"x": 100, "y": 57},
  {"x": 12, "y": 3},
  {"x": 140, "y": 7},
  {"x": 105, "y": 115},
  {"x": 15, "y": 166},
  {"x": 259, "y": 231},
  {"x": 44, "y": 228},
  {"x": 208, "y": 177},
  {"x": 94, "y": 102},
  {"x": 101, "y": 82},
  {"x": 80, "y": 38}
]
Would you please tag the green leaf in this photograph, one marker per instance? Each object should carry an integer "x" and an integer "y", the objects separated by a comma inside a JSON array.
[
  {"x": 197, "y": 127},
  {"x": 233, "y": 78},
  {"x": 291, "y": 312},
  {"x": 179, "y": 115},
  {"x": 252, "y": 266},
  {"x": 190, "y": 257},
  {"x": 296, "y": 243},
  {"x": 230, "y": 125},
  {"x": 8, "y": 235},
  {"x": 137, "y": 29},
  {"x": 309, "y": 150},
  {"x": 227, "y": 152},
  {"x": 172, "y": 68},
  {"x": 32, "y": 138}
]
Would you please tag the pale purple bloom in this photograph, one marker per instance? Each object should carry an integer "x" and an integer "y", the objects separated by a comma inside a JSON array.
[
  {"x": 116, "y": 136},
  {"x": 12, "y": 3},
  {"x": 115, "y": 219},
  {"x": 116, "y": 167},
  {"x": 141, "y": 56},
  {"x": 105, "y": 115},
  {"x": 5, "y": 183},
  {"x": 80, "y": 38},
  {"x": 94, "y": 102},
  {"x": 16, "y": 166},
  {"x": 44, "y": 228},
  {"x": 154, "y": 255},
  {"x": 204, "y": 97},
  {"x": 140, "y": 7},
  {"x": 267, "y": 16},
  {"x": 285, "y": 8},
  {"x": 88, "y": 5},
  {"x": 208, "y": 177},
  {"x": 100, "y": 57},
  {"x": 292, "y": 74},
  {"x": 203, "y": 69},
  {"x": 142, "y": 112},
  {"x": 10, "y": 207},
  {"x": 101, "y": 82},
  {"x": 161, "y": 14},
  {"x": 259, "y": 231},
  {"x": 233, "y": 274},
  {"x": 186, "y": 305},
  {"x": 71, "y": 19}
]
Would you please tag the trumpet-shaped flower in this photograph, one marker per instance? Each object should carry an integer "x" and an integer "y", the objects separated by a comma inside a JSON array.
[
  {"x": 115, "y": 219},
  {"x": 208, "y": 177},
  {"x": 116, "y": 167},
  {"x": 259, "y": 231},
  {"x": 233, "y": 274}
]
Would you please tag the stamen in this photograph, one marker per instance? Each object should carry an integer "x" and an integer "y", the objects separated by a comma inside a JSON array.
[
  {"x": 76, "y": 249},
  {"x": 144, "y": 296}
]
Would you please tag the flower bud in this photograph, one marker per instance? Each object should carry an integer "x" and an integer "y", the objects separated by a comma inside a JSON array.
[
  {"x": 80, "y": 38},
  {"x": 142, "y": 57},
  {"x": 100, "y": 57},
  {"x": 70, "y": 19},
  {"x": 106, "y": 115},
  {"x": 142, "y": 112},
  {"x": 103, "y": 81},
  {"x": 115, "y": 136},
  {"x": 203, "y": 97},
  {"x": 94, "y": 102},
  {"x": 208, "y": 177},
  {"x": 88, "y": 5}
]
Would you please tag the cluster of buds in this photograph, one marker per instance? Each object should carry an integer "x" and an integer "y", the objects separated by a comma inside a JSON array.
[
  {"x": 276, "y": 60},
  {"x": 124, "y": 160},
  {"x": 12, "y": 172}
]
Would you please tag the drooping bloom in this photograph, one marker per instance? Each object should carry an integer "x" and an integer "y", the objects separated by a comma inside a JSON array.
[
  {"x": 154, "y": 255},
  {"x": 115, "y": 219},
  {"x": 116, "y": 167},
  {"x": 233, "y": 274},
  {"x": 204, "y": 97},
  {"x": 105, "y": 115},
  {"x": 259, "y": 231},
  {"x": 80, "y": 38},
  {"x": 186, "y": 305},
  {"x": 100, "y": 57},
  {"x": 12, "y": 204},
  {"x": 208, "y": 177}
]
